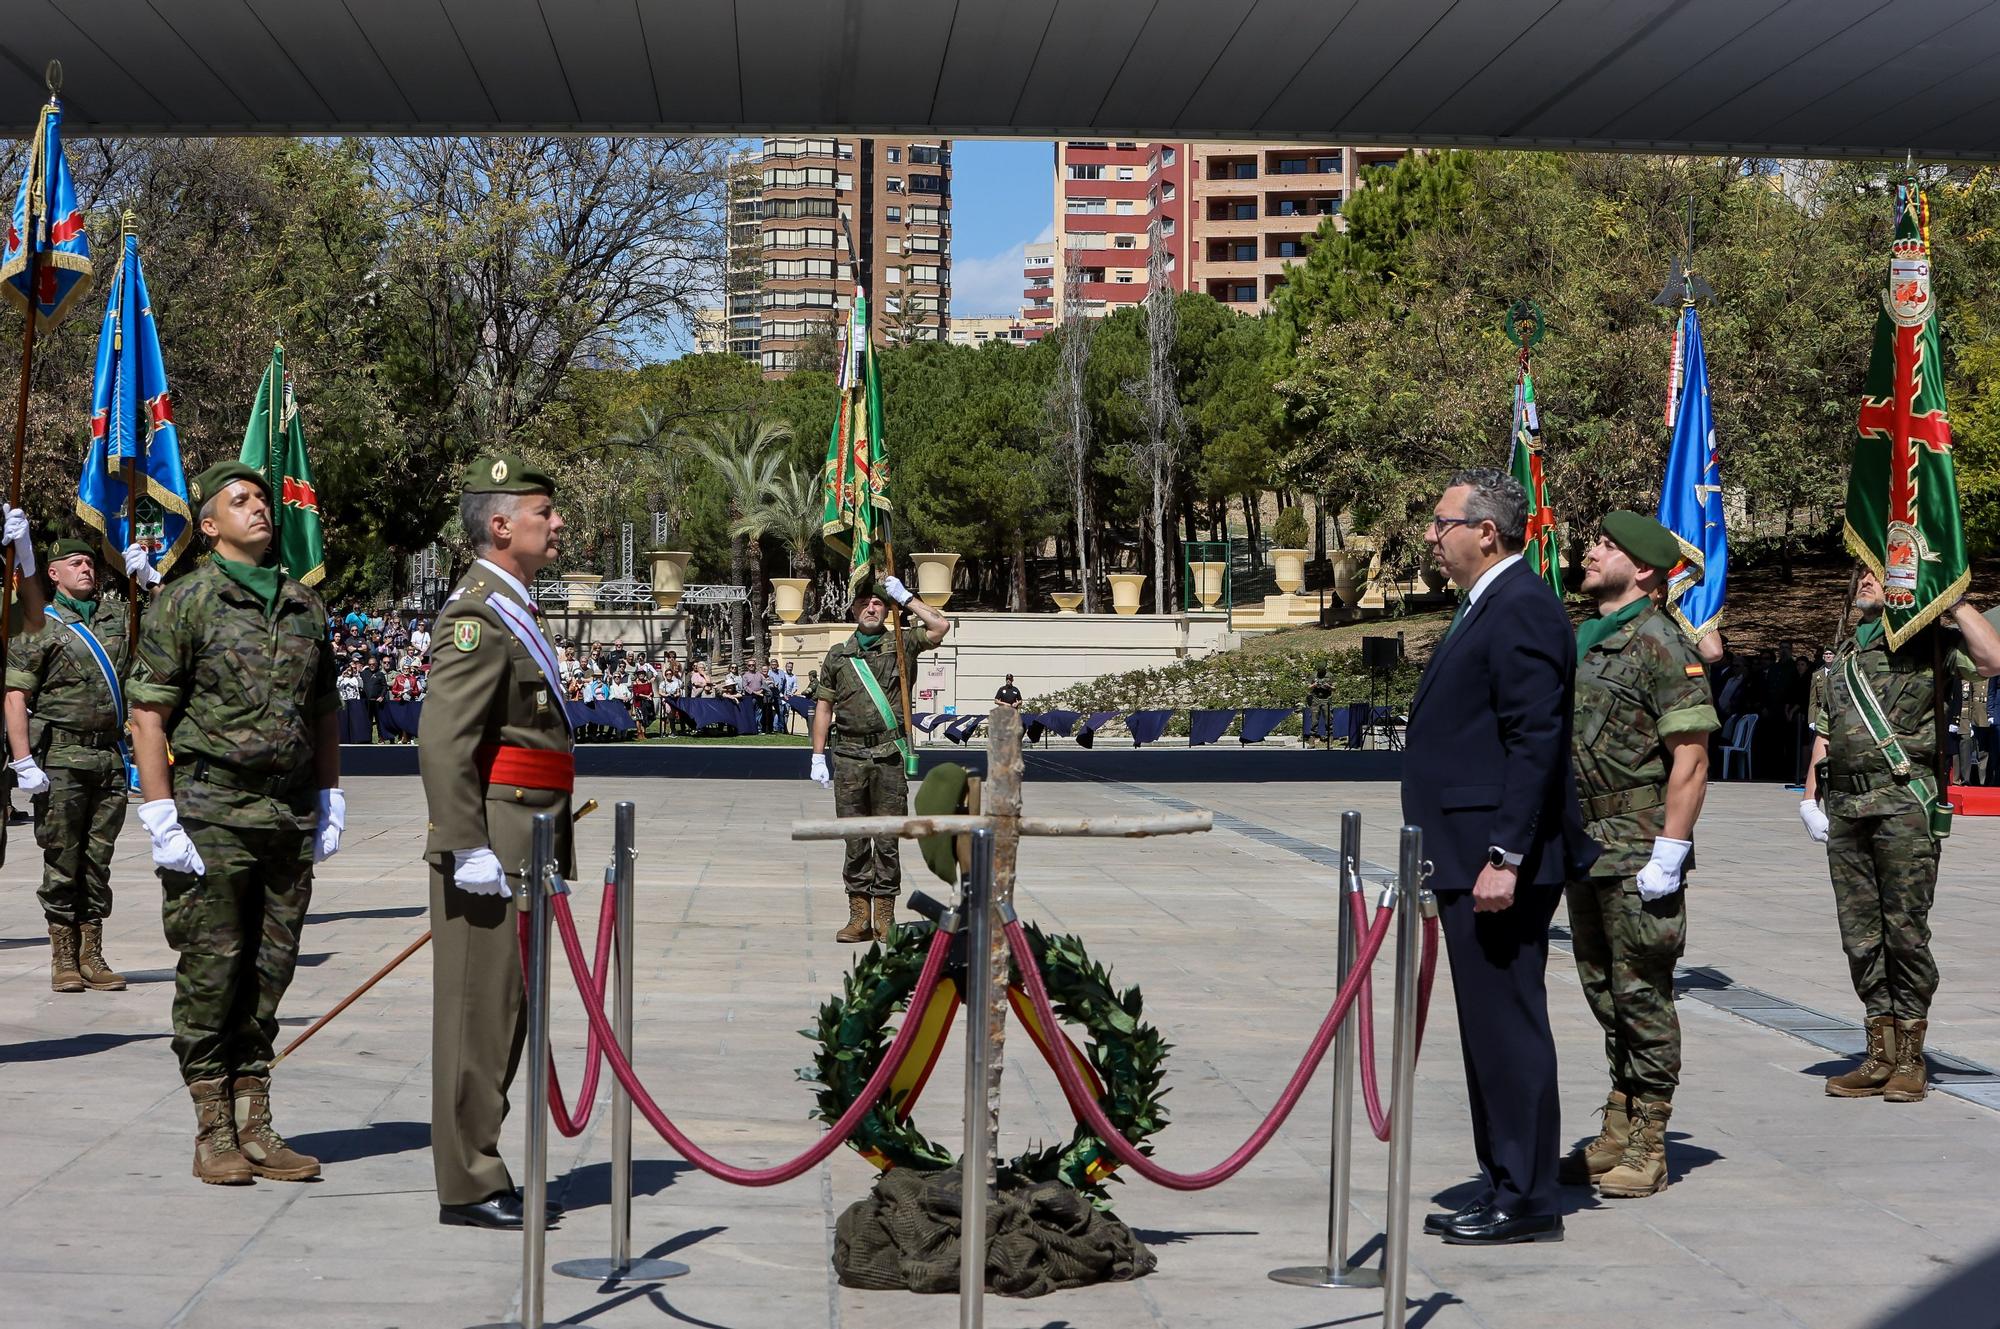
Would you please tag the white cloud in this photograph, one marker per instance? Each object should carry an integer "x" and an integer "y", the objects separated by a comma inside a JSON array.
[{"x": 982, "y": 287}]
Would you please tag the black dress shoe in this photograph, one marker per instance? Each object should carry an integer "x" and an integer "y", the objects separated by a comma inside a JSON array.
[
  {"x": 501, "y": 1211},
  {"x": 1496, "y": 1227},
  {"x": 1435, "y": 1224},
  {"x": 549, "y": 1207}
]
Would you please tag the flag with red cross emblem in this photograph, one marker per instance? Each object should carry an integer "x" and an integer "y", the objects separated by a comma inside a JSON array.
[
  {"x": 275, "y": 443},
  {"x": 1903, "y": 517}
]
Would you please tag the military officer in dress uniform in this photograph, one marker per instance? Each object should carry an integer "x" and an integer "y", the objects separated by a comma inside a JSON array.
[
  {"x": 235, "y": 670},
  {"x": 494, "y": 748},
  {"x": 855, "y": 716}
]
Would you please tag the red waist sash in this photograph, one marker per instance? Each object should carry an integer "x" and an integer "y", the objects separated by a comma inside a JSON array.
[{"x": 526, "y": 768}]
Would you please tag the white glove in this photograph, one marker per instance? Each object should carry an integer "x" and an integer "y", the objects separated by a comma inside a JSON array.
[
  {"x": 138, "y": 567},
  {"x": 896, "y": 591},
  {"x": 1661, "y": 876},
  {"x": 332, "y": 821},
  {"x": 172, "y": 849},
  {"x": 14, "y": 534},
  {"x": 478, "y": 872},
  {"x": 819, "y": 772},
  {"x": 29, "y": 778},
  {"x": 1815, "y": 819}
]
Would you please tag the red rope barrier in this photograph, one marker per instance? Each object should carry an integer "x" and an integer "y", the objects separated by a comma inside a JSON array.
[
  {"x": 836, "y": 1135},
  {"x": 1122, "y": 1149},
  {"x": 593, "y": 1052},
  {"x": 1371, "y": 1093}
]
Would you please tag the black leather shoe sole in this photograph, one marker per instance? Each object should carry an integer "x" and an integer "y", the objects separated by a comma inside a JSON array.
[
  {"x": 476, "y": 1215},
  {"x": 1516, "y": 1232},
  {"x": 1437, "y": 1225}
]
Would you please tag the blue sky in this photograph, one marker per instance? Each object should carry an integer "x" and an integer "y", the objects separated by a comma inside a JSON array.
[{"x": 1002, "y": 200}]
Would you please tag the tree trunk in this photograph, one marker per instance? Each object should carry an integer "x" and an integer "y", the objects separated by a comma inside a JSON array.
[
  {"x": 759, "y": 642},
  {"x": 736, "y": 577},
  {"x": 1017, "y": 592},
  {"x": 1319, "y": 528},
  {"x": 1253, "y": 527}
]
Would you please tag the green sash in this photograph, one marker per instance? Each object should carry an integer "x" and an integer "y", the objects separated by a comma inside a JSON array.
[
  {"x": 888, "y": 714},
  {"x": 1937, "y": 812}
]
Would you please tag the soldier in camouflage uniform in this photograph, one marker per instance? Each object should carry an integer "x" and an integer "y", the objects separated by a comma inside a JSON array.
[
  {"x": 868, "y": 776},
  {"x": 234, "y": 669},
  {"x": 1639, "y": 743},
  {"x": 65, "y": 729},
  {"x": 1882, "y": 846}
]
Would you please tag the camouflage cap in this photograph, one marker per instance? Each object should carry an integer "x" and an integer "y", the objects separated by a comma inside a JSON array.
[
  {"x": 70, "y": 548},
  {"x": 506, "y": 473},
  {"x": 222, "y": 475},
  {"x": 1643, "y": 538}
]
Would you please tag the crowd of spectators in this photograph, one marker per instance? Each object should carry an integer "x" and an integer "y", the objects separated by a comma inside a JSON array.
[
  {"x": 649, "y": 685},
  {"x": 379, "y": 658}
]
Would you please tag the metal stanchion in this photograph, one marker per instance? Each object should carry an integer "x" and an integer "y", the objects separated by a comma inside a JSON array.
[
  {"x": 1409, "y": 924},
  {"x": 976, "y": 1164},
  {"x": 620, "y": 1266},
  {"x": 1337, "y": 1272}
]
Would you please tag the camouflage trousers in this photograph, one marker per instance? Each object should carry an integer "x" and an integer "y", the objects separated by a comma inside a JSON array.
[
  {"x": 1884, "y": 873},
  {"x": 1625, "y": 952},
  {"x": 77, "y": 819},
  {"x": 237, "y": 930},
  {"x": 871, "y": 787}
]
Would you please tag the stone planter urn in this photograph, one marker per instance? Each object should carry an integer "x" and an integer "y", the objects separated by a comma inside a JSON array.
[
  {"x": 1290, "y": 567},
  {"x": 789, "y": 597},
  {"x": 1433, "y": 578},
  {"x": 669, "y": 576},
  {"x": 1067, "y": 601},
  {"x": 582, "y": 588},
  {"x": 934, "y": 577},
  {"x": 1347, "y": 564},
  {"x": 1208, "y": 581},
  {"x": 1125, "y": 588}
]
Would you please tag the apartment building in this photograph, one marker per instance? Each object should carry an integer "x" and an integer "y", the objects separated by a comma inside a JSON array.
[
  {"x": 1111, "y": 200},
  {"x": 830, "y": 213},
  {"x": 999, "y": 327},
  {"x": 1038, "y": 297}
]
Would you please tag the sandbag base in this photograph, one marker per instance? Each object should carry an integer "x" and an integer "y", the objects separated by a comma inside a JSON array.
[{"x": 1041, "y": 1237}]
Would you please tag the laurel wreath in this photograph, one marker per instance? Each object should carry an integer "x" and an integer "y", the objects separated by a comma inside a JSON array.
[{"x": 852, "y": 1034}]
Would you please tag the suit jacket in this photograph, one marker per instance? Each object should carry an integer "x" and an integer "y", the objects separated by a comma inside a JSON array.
[
  {"x": 1487, "y": 749},
  {"x": 485, "y": 688}
]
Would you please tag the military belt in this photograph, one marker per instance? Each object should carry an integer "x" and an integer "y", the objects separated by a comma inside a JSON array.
[
  {"x": 1863, "y": 782},
  {"x": 104, "y": 740},
  {"x": 205, "y": 771},
  {"x": 1625, "y": 800}
]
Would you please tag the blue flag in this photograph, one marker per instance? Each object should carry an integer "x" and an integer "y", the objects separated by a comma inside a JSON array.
[
  {"x": 1691, "y": 493},
  {"x": 47, "y": 227},
  {"x": 132, "y": 429}
]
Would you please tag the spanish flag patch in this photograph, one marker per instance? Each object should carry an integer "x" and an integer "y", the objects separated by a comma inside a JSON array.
[{"x": 1693, "y": 670}]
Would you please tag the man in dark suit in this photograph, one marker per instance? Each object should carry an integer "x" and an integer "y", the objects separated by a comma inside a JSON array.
[{"x": 1486, "y": 776}]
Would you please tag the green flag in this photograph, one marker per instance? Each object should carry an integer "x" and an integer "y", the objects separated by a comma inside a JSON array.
[
  {"x": 1527, "y": 468},
  {"x": 1902, "y": 492},
  {"x": 854, "y": 521},
  {"x": 275, "y": 443}
]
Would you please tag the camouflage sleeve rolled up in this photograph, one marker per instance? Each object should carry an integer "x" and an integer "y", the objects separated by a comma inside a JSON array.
[
  {"x": 163, "y": 664},
  {"x": 28, "y": 661},
  {"x": 1680, "y": 690}
]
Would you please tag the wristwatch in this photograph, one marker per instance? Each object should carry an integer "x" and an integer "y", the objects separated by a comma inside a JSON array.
[{"x": 1500, "y": 858}]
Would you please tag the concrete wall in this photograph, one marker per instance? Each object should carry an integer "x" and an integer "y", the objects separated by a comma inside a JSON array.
[{"x": 1044, "y": 652}]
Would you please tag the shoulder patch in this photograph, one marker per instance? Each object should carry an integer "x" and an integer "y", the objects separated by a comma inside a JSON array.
[
  {"x": 1693, "y": 670},
  {"x": 465, "y": 634}
]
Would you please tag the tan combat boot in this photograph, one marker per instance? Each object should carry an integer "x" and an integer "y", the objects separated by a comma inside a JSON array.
[
  {"x": 268, "y": 1154},
  {"x": 1643, "y": 1169},
  {"x": 1867, "y": 1079},
  {"x": 1911, "y": 1082},
  {"x": 858, "y": 927},
  {"x": 63, "y": 973},
  {"x": 90, "y": 960},
  {"x": 1593, "y": 1160},
  {"x": 217, "y": 1160},
  {"x": 882, "y": 915}
]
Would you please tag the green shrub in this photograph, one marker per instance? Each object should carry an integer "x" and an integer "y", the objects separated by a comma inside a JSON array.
[
  {"x": 1232, "y": 680},
  {"x": 1288, "y": 528}
]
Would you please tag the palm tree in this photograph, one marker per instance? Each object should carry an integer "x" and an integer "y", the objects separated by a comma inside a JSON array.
[
  {"x": 746, "y": 452},
  {"x": 790, "y": 509}
]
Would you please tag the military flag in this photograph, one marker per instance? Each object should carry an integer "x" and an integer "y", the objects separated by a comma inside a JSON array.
[
  {"x": 45, "y": 262},
  {"x": 1903, "y": 517},
  {"x": 1691, "y": 493},
  {"x": 1541, "y": 551},
  {"x": 855, "y": 518},
  {"x": 275, "y": 443},
  {"x": 133, "y": 488}
]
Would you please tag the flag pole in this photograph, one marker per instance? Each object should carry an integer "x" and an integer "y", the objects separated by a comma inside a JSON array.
[
  {"x": 132, "y": 469},
  {"x": 20, "y": 446},
  {"x": 902, "y": 660}
]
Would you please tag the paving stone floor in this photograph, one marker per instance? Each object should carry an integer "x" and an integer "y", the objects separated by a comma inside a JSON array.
[{"x": 1789, "y": 1208}]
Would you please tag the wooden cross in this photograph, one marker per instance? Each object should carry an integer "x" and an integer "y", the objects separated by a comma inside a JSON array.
[{"x": 1000, "y": 812}]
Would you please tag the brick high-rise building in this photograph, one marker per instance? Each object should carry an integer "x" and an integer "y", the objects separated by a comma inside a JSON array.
[
  {"x": 1109, "y": 199},
  {"x": 889, "y": 197},
  {"x": 1038, "y": 297}
]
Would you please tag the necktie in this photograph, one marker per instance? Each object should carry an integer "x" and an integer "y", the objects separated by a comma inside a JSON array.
[{"x": 1458, "y": 617}]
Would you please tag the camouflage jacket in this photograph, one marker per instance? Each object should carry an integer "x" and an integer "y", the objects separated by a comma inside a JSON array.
[
  {"x": 245, "y": 693},
  {"x": 1635, "y": 689},
  {"x": 1859, "y": 782},
  {"x": 65, "y": 689},
  {"x": 857, "y": 724}
]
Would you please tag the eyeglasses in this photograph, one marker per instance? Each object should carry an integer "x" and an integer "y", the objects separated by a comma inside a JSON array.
[{"x": 1443, "y": 524}]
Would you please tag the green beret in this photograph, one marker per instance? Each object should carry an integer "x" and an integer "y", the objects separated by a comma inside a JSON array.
[
  {"x": 220, "y": 476},
  {"x": 506, "y": 473},
  {"x": 1643, "y": 538},
  {"x": 942, "y": 794},
  {"x": 70, "y": 549}
]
